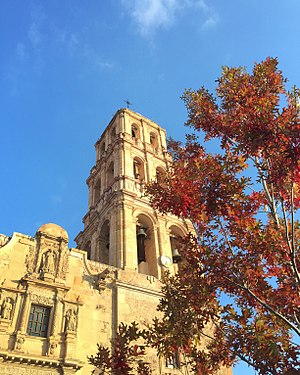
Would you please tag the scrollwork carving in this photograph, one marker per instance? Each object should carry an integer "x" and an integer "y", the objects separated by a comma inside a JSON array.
[
  {"x": 42, "y": 300},
  {"x": 3, "y": 240},
  {"x": 31, "y": 260}
]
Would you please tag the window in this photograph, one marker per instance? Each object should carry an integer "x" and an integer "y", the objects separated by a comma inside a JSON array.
[
  {"x": 110, "y": 174},
  {"x": 38, "y": 321},
  {"x": 135, "y": 132},
  {"x": 153, "y": 140},
  {"x": 173, "y": 360},
  {"x": 97, "y": 191}
]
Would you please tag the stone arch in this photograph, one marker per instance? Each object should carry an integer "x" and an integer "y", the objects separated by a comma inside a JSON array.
[
  {"x": 102, "y": 149},
  {"x": 110, "y": 174},
  {"x": 88, "y": 248},
  {"x": 113, "y": 134},
  {"x": 160, "y": 173},
  {"x": 138, "y": 169},
  {"x": 153, "y": 139},
  {"x": 135, "y": 131},
  {"x": 97, "y": 191},
  {"x": 146, "y": 245},
  {"x": 104, "y": 242}
]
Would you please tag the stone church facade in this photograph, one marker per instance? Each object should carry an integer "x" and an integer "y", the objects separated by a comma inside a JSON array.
[{"x": 56, "y": 302}]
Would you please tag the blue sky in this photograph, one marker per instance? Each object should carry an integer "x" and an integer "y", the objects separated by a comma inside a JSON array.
[{"x": 68, "y": 65}]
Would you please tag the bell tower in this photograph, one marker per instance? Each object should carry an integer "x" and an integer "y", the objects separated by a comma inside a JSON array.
[{"x": 120, "y": 228}]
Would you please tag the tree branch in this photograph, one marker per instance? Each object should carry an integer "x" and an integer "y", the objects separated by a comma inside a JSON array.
[{"x": 265, "y": 305}]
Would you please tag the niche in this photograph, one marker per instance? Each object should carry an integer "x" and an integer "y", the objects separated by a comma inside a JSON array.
[
  {"x": 102, "y": 149},
  {"x": 113, "y": 134},
  {"x": 97, "y": 191},
  {"x": 110, "y": 174},
  {"x": 138, "y": 169}
]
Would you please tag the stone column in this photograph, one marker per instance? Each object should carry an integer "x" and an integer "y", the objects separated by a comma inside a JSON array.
[{"x": 25, "y": 312}]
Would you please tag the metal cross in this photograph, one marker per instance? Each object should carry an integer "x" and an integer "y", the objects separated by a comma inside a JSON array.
[{"x": 127, "y": 103}]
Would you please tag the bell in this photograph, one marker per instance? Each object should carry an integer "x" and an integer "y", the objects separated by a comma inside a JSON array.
[
  {"x": 176, "y": 256},
  {"x": 141, "y": 236},
  {"x": 141, "y": 232}
]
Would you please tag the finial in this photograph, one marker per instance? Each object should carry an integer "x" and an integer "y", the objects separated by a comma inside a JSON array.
[{"x": 127, "y": 103}]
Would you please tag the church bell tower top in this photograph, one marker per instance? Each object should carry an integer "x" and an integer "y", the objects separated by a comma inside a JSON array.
[{"x": 134, "y": 117}]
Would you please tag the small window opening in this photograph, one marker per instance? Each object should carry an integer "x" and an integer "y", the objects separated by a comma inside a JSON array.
[
  {"x": 153, "y": 140},
  {"x": 134, "y": 132},
  {"x": 38, "y": 321},
  {"x": 172, "y": 361}
]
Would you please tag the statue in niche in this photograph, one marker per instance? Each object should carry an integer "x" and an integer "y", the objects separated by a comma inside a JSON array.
[
  {"x": 71, "y": 318},
  {"x": 6, "y": 308},
  {"x": 48, "y": 263}
]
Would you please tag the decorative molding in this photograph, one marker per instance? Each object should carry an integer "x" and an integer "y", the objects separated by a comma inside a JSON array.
[
  {"x": 42, "y": 299},
  {"x": 4, "y": 240}
]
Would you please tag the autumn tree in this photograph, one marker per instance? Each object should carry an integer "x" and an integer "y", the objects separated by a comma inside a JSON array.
[
  {"x": 244, "y": 201},
  {"x": 125, "y": 356}
]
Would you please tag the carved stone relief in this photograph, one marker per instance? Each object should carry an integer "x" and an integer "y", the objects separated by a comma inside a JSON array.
[
  {"x": 42, "y": 299},
  {"x": 52, "y": 348},
  {"x": 70, "y": 320},
  {"x": 19, "y": 343},
  {"x": 7, "y": 308},
  {"x": 14, "y": 370},
  {"x": 31, "y": 259},
  {"x": 49, "y": 260}
]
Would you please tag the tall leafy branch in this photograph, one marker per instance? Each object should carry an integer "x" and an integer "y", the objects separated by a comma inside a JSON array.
[{"x": 244, "y": 201}]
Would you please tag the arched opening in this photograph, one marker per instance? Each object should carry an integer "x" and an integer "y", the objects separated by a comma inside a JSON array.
[
  {"x": 160, "y": 174},
  {"x": 113, "y": 134},
  {"x": 138, "y": 169},
  {"x": 153, "y": 140},
  {"x": 110, "y": 174},
  {"x": 97, "y": 191},
  {"x": 103, "y": 149},
  {"x": 87, "y": 248},
  {"x": 146, "y": 248},
  {"x": 104, "y": 243},
  {"x": 135, "y": 132}
]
